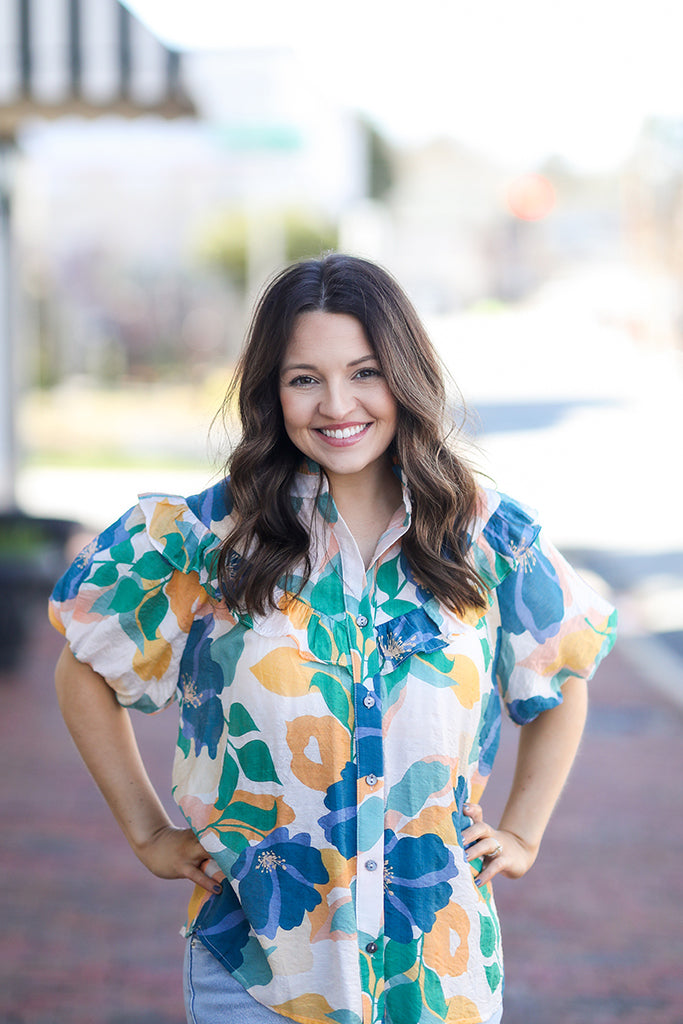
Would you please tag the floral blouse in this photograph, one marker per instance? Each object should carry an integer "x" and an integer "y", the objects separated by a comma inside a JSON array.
[{"x": 325, "y": 750}]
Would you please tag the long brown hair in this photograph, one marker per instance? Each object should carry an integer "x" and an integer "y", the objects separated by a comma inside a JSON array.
[{"x": 264, "y": 462}]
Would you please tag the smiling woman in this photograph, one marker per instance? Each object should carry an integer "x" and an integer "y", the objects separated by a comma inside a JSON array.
[{"x": 341, "y": 621}]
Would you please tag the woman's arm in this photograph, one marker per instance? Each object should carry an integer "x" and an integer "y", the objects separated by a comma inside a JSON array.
[
  {"x": 547, "y": 748},
  {"x": 103, "y": 733}
]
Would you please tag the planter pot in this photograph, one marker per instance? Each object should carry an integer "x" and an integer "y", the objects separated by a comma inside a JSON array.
[{"x": 32, "y": 557}]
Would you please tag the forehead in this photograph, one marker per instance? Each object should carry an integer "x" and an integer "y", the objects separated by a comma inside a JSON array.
[{"x": 319, "y": 336}]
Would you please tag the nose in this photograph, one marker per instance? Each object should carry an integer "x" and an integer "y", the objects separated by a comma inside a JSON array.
[{"x": 337, "y": 401}]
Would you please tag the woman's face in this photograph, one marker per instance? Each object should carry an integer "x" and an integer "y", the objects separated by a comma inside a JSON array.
[{"x": 336, "y": 403}]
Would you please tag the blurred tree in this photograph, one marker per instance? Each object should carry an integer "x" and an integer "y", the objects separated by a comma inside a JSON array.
[
  {"x": 226, "y": 242},
  {"x": 381, "y": 173}
]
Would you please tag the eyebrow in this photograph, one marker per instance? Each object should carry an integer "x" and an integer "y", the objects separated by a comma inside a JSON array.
[{"x": 309, "y": 366}]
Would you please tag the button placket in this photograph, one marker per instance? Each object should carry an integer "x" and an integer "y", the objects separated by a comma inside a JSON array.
[{"x": 370, "y": 791}]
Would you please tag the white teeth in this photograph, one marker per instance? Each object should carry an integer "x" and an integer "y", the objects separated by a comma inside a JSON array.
[{"x": 346, "y": 432}]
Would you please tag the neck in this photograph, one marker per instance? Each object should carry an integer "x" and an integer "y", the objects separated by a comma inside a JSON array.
[{"x": 374, "y": 493}]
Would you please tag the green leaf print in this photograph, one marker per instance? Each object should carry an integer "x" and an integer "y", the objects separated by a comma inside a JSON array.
[
  {"x": 256, "y": 762},
  {"x": 341, "y": 637},
  {"x": 152, "y": 566},
  {"x": 387, "y": 577},
  {"x": 257, "y": 819},
  {"x": 434, "y": 996},
  {"x": 240, "y": 721},
  {"x": 234, "y": 841},
  {"x": 106, "y": 574},
  {"x": 487, "y": 936},
  {"x": 319, "y": 640},
  {"x": 327, "y": 595},
  {"x": 493, "y": 976},
  {"x": 404, "y": 1003},
  {"x": 123, "y": 553},
  {"x": 174, "y": 549},
  {"x": 151, "y": 614},
  {"x": 393, "y": 680},
  {"x": 127, "y": 597},
  {"x": 334, "y": 695},
  {"x": 396, "y": 607},
  {"x": 399, "y": 957},
  {"x": 226, "y": 786},
  {"x": 420, "y": 781}
]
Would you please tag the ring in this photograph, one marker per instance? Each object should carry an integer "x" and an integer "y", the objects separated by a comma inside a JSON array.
[{"x": 497, "y": 852}]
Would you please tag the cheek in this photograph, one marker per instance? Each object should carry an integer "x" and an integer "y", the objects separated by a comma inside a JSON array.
[
  {"x": 293, "y": 411},
  {"x": 390, "y": 409}
]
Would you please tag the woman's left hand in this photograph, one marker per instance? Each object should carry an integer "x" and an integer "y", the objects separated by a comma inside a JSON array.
[{"x": 503, "y": 852}]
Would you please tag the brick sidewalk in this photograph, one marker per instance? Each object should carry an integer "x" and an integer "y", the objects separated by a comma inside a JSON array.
[{"x": 593, "y": 935}]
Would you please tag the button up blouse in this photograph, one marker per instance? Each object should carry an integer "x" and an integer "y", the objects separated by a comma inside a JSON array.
[{"x": 326, "y": 749}]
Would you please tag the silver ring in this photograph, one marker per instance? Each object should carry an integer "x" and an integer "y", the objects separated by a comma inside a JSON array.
[{"x": 497, "y": 852}]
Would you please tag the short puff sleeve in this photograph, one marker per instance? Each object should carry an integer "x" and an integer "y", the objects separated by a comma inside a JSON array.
[
  {"x": 549, "y": 623},
  {"x": 127, "y": 603}
]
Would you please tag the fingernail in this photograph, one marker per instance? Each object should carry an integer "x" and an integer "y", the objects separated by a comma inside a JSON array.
[
  {"x": 467, "y": 807},
  {"x": 217, "y": 889},
  {"x": 478, "y": 882}
]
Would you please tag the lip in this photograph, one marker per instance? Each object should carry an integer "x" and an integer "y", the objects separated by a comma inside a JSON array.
[{"x": 342, "y": 442}]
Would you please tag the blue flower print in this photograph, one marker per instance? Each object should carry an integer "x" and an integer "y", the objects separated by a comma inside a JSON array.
[
  {"x": 223, "y": 923},
  {"x": 277, "y": 879},
  {"x": 417, "y": 875},
  {"x": 531, "y": 597},
  {"x": 339, "y": 825},
  {"x": 510, "y": 529},
  {"x": 200, "y": 680}
]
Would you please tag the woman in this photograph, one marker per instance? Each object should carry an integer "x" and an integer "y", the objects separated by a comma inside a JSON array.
[{"x": 339, "y": 623}]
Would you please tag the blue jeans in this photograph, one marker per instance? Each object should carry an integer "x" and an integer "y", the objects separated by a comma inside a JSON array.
[{"x": 212, "y": 996}]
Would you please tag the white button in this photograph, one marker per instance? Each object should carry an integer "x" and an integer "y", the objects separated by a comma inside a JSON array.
[
  {"x": 369, "y": 701},
  {"x": 361, "y": 621},
  {"x": 371, "y": 780},
  {"x": 371, "y": 865}
]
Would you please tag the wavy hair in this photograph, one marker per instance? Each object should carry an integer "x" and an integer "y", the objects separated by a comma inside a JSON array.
[{"x": 264, "y": 462}]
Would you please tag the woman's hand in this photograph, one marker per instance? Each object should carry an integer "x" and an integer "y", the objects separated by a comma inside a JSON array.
[
  {"x": 177, "y": 853},
  {"x": 503, "y": 852}
]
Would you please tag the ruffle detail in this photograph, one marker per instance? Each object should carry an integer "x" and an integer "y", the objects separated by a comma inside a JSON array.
[
  {"x": 127, "y": 603},
  {"x": 186, "y": 543}
]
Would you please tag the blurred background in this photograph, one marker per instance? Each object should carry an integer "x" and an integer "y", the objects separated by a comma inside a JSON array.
[
  {"x": 518, "y": 167},
  {"x": 520, "y": 173}
]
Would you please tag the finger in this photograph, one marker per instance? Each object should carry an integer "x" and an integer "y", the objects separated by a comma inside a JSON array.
[
  {"x": 493, "y": 862},
  {"x": 474, "y": 833},
  {"x": 474, "y": 812},
  {"x": 489, "y": 871},
  {"x": 199, "y": 877},
  {"x": 488, "y": 846}
]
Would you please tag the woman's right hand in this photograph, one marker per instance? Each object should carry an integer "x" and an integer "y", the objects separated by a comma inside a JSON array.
[{"x": 177, "y": 853}]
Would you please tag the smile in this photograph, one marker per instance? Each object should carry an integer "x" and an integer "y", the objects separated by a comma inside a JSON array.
[{"x": 340, "y": 435}]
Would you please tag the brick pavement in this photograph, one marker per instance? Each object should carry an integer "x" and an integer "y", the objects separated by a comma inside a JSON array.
[{"x": 592, "y": 935}]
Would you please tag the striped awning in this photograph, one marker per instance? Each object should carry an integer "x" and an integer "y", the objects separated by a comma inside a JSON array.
[{"x": 83, "y": 57}]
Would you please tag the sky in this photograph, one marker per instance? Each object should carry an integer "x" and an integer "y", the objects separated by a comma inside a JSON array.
[{"x": 518, "y": 79}]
